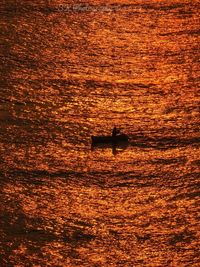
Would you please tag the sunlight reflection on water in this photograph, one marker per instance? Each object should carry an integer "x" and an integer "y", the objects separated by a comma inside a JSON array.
[{"x": 71, "y": 71}]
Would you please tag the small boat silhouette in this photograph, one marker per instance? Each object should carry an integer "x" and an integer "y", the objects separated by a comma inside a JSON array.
[{"x": 109, "y": 139}]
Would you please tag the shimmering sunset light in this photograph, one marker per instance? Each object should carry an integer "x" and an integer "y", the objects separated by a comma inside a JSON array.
[{"x": 70, "y": 72}]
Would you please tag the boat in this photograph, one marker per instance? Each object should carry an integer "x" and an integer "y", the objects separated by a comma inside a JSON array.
[{"x": 109, "y": 139}]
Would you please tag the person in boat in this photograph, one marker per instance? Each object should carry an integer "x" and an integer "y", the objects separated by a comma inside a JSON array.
[{"x": 115, "y": 131}]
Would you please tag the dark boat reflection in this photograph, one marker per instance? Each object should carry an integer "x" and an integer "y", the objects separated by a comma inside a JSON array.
[{"x": 116, "y": 147}]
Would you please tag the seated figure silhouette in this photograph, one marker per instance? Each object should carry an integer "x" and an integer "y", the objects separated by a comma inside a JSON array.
[{"x": 115, "y": 131}]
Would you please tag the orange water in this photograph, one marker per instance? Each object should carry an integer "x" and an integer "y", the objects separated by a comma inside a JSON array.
[{"x": 69, "y": 71}]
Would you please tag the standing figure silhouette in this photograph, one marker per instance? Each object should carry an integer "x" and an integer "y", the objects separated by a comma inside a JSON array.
[{"x": 115, "y": 131}]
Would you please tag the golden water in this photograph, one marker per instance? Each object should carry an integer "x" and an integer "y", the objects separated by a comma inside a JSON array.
[{"x": 69, "y": 71}]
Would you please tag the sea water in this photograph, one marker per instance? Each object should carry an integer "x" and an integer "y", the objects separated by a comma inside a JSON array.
[{"x": 70, "y": 70}]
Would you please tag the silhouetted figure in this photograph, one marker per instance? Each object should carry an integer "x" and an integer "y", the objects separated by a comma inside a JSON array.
[{"x": 115, "y": 131}]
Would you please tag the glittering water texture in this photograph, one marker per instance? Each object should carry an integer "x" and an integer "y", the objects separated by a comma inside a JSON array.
[{"x": 71, "y": 70}]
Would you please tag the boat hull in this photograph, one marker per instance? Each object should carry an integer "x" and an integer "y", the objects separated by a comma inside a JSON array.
[{"x": 109, "y": 139}]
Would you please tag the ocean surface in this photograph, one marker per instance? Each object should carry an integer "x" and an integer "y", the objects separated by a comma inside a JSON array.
[{"x": 72, "y": 69}]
